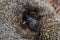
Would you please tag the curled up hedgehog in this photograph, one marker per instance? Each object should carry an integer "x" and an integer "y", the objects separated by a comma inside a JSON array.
[{"x": 35, "y": 21}]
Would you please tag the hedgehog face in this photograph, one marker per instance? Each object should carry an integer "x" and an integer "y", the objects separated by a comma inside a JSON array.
[{"x": 31, "y": 17}]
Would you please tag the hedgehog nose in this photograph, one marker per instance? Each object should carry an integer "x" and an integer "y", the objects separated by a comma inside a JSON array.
[{"x": 32, "y": 22}]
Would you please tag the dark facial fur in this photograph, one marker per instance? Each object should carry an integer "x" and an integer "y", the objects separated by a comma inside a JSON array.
[{"x": 31, "y": 17}]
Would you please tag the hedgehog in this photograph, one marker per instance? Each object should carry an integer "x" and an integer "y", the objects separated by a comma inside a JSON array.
[{"x": 35, "y": 21}]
